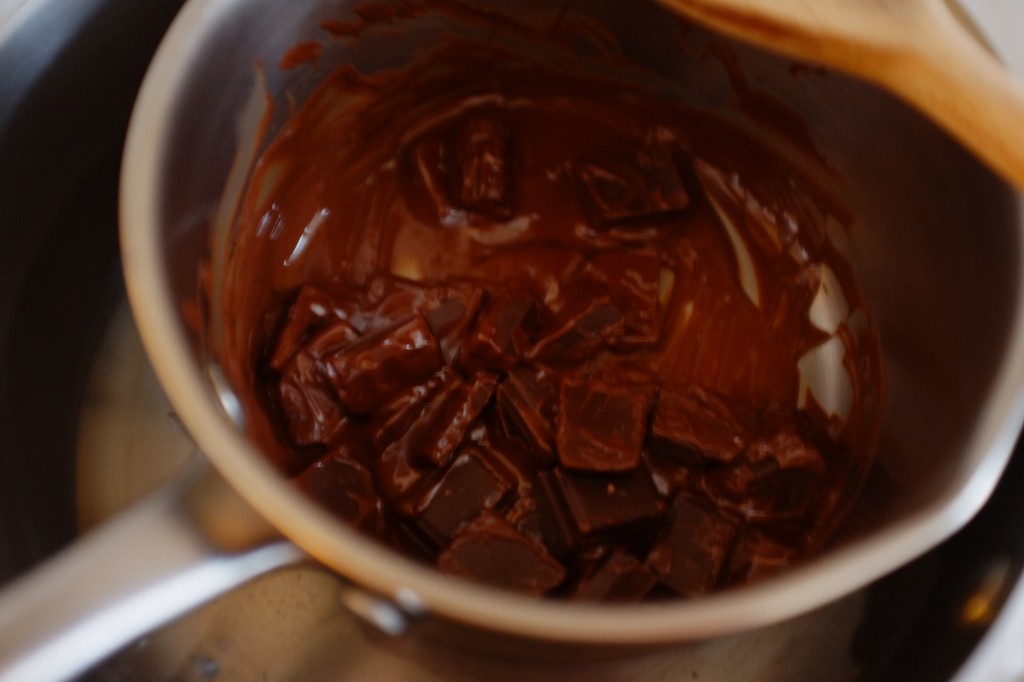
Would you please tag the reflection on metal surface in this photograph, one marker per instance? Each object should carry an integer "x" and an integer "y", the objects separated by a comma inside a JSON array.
[
  {"x": 228, "y": 400},
  {"x": 378, "y": 612},
  {"x": 983, "y": 605}
]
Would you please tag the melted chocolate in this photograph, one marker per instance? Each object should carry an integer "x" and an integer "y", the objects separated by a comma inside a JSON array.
[{"x": 542, "y": 328}]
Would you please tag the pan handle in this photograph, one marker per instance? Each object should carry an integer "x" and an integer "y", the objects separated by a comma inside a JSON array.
[{"x": 188, "y": 543}]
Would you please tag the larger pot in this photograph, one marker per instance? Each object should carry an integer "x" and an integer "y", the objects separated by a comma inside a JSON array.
[{"x": 938, "y": 250}]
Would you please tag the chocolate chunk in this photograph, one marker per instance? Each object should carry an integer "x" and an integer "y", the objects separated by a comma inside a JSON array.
[
  {"x": 450, "y": 312},
  {"x": 470, "y": 484},
  {"x": 479, "y": 176},
  {"x": 332, "y": 338},
  {"x": 554, "y": 520},
  {"x": 526, "y": 403},
  {"x": 447, "y": 417},
  {"x": 369, "y": 372},
  {"x": 500, "y": 336},
  {"x": 509, "y": 456},
  {"x": 632, "y": 280},
  {"x": 606, "y": 502},
  {"x": 690, "y": 557},
  {"x": 778, "y": 478},
  {"x": 340, "y": 483},
  {"x": 449, "y": 309},
  {"x": 311, "y": 413},
  {"x": 398, "y": 415},
  {"x": 756, "y": 556},
  {"x": 601, "y": 425},
  {"x": 489, "y": 550},
  {"x": 669, "y": 475},
  {"x": 524, "y": 514},
  {"x": 311, "y": 310},
  {"x": 619, "y": 578},
  {"x": 644, "y": 184},
  {"x": 691, "y": 423},
  {"x": 580, "y": 332},
  {"x": 446, "y": 316},
  {"x": 432, "y": 437},
  {"x": 787, "y": 448},
  {"x": 761, "y": 492}
]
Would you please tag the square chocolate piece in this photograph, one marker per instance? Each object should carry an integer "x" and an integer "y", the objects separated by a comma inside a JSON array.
[
  {"x": 472, "y": 483},
  {"x": 311, "y": 413},
  {"x": 446, "y": 419},
  {"x": 450, "y": 311},
  {"x": 619, "y": 578},
  {"x": 395, "y": 418},
  {"x": 340, "y": 483},
  {"x": 436, "y": 426},
  {"x": 601, "y": 425},
  {"x": 580, "y": 331},
  {"x": 500, "y": 336},
  {"x": 763, "y": 493},
  {"x": 691, "y": 556},
  {"x": 691, "y": 423},
  {"x": 608, "y": 502},
  {"x": 335, "y": 336},
  {"x": 374, "y": 369},
  {"x": 489, "y": 550},
  {"x": 756, "y": 556},
  {"x": 526, "y": 402},
  {"x": 311, "y": 310}
]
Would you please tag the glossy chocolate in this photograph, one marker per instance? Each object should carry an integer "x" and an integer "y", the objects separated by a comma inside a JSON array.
[{"x": 546, "y": 329}]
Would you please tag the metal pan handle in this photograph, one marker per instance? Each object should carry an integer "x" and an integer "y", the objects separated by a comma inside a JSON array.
[{"x": 190, "y": 542}]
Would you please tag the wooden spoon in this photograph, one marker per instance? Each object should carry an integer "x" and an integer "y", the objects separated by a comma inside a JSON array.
[{"x": 914, "y": 48}]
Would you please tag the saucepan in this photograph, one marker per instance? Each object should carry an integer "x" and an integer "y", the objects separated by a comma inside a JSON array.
[{"x": 936, "y": 246}]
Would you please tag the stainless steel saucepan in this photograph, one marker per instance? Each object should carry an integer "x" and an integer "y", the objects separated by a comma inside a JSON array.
[{"x": 937, "y": 245}]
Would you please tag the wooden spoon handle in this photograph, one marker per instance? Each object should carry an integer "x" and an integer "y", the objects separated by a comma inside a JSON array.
[{"x": 952, "y": 78}]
